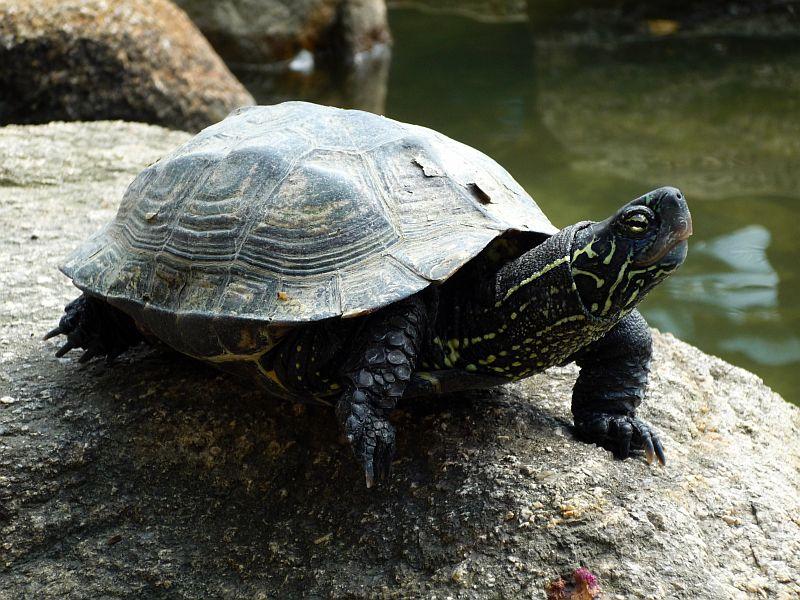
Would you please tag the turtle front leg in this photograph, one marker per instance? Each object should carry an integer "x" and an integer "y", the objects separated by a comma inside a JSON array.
[
  {"x": 610, "y": 387},
  {"x": 375, "y": 377},
  {"x": 96, "y": 327}
]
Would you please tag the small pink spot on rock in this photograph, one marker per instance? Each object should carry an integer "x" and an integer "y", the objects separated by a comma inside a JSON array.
[
  {"x": 585, "y": 576},
  {"x": 581, "y": 585}
]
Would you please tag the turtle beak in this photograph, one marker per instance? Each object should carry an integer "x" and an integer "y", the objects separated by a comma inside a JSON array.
[{"x": 675, "y": 228}]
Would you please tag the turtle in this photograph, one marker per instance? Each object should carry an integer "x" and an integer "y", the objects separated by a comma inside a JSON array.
[{"x": 343, "y": 257}]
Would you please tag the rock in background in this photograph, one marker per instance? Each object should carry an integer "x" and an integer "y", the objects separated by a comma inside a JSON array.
[
  {"x": 665, "y": 17},
  {"x": 138, "y": 60},
  {"x": 604, "y": 21},
  {"x": 159, "y": 477},
  {"x": 267, "y": 31}
]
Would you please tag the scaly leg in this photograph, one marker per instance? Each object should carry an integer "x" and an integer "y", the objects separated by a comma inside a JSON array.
[
  {"x": 375, "y": 378},
  {"x": 97, "y": 327},
  {"x": 610, "y": 387}
]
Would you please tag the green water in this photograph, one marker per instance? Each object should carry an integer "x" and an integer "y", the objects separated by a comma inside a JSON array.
[{"x": 586, "y": 129}]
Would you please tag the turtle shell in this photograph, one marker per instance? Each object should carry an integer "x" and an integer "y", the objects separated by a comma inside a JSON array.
[{"x": 297, "y": 212}]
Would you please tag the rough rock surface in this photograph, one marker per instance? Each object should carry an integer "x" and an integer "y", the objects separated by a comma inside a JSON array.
[
  {"x": 139, "y": 60},
  {"x": 265, "y": 31},
  {"x": 162, "y": 478}
]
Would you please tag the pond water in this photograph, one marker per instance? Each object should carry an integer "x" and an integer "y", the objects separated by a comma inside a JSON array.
[{"x": 585, "y": 129}]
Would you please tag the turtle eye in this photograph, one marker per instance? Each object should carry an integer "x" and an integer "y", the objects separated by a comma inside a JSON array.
[{"x": 636, "y": 223}]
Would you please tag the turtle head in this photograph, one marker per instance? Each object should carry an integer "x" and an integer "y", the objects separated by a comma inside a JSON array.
[{"x": 617, "y": 261}]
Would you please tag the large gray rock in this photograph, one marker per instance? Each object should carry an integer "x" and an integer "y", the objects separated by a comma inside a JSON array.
[
  {"x": 162, "y": 478},
  {"x": 265, "y": 31},
  {"x": 140, "y": 60}
]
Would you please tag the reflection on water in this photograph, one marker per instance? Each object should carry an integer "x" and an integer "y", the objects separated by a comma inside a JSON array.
[
  {"x": 736, "y": 282},
  {"x": 362, "y": 86},
  {"x": 743, "y": 282},
  {"x": 586, "y": 129}
]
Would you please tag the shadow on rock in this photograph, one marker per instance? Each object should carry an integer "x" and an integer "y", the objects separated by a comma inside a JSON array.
[{"x": 168, "y": 466}]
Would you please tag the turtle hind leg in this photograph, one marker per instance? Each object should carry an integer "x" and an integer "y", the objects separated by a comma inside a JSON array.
[
  {"x": 96, "y": 327},
  {"x": 375, "y": 377}
]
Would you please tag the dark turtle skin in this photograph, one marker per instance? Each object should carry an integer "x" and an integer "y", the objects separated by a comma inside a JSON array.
[{"x": 484, "y": 302}]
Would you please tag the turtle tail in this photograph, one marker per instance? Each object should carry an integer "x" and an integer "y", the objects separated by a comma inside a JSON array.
[{"x": 97, "y": 327}]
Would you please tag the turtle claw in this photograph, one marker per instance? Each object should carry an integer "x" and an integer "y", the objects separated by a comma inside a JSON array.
[
  {"x": 66, "y": 348},
  {"x": 621, "y": 434},
  {"x": 372, "y": 438},
  {"x": 659, "y": 449},
  {"x": 91, "y": 352},
  {"x": 53, "y": 333}
]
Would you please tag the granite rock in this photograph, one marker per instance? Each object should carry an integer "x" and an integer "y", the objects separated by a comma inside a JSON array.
[
  {"x": 270, "y": 31},
  {"x": 159, "y": 477},
  {"x": 139, "y": 60}
]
